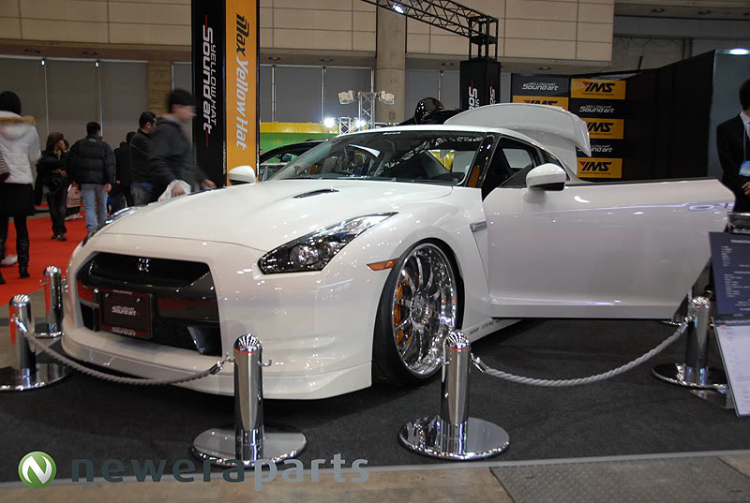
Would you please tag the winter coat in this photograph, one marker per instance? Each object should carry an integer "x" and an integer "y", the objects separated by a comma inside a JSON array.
[
  {"x": 171, "y": 156},
  {"x": 91, "y": 161},
  {"x": 45, "y": 176},
  {"x": 122, "y": 159},
  {"x": 19, "y": 145},
  {"x": 140, "y": 146}
]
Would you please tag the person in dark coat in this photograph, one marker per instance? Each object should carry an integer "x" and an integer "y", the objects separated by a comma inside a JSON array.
[
  {"x": 171, "y": 155},
  {"x": 120, "y": 193},
  {"x": 51, "y": 175},
  {"x": 19, "y": 147},
  {"x": 142, "y": 187},
  {"x": 733, "y": 144},
  {"x": 91, "y": 164}
]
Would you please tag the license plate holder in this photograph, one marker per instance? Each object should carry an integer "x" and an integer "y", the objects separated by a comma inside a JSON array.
[{"x": 125, "y": 313}]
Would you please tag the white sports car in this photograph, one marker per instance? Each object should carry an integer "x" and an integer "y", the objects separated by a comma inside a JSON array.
[{"x": 344, "y": 263}]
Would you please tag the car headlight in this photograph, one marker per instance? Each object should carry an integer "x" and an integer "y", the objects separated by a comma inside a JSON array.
[
  {"x": 313, "y": 251},
  {"x": 115, "y": 216}
]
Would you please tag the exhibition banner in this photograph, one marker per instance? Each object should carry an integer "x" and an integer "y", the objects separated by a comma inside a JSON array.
[
  {"x": 540, "y": 89},
  {"x": 208, "y": 87},
  {"x": 600, "y": 103},
  {"x": 480, "y": 83},
  {"x": 242, "y": 89},
  {"x": 225, "y": 85}
]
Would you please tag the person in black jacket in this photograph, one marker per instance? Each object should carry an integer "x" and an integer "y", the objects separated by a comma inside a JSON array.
[
  {"x": 120, "y": 193},
  {"x": 50, "y": 169},
  {"x": 91, "y": 163},
  {"x": 142, "y": 187},
  {"x": 171, "y": 156},
  {"x": 733, "y": 144}
]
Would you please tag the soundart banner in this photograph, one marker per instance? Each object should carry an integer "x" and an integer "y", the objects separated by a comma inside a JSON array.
[{"x": 540, "y": 89}]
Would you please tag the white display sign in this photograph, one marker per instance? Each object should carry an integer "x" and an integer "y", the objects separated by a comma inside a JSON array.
[{"x": 734, "y": 342}]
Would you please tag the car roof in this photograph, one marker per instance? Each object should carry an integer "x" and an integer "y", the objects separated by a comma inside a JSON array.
[{"x": 441, "y": 127}]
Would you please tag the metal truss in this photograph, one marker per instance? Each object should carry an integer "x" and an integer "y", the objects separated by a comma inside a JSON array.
[
  {"x": 479, "y": 28},
  {"x": 367, "y": 108}
]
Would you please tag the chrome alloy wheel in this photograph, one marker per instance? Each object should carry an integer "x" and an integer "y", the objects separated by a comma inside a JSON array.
[{"x": 425, "y": 292}]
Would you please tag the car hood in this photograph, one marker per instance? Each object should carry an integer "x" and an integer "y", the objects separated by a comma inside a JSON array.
[{"x": 269, "y": 214}]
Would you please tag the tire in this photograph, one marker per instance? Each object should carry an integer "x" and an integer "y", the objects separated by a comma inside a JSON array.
[{"x": 409, "y": 334}]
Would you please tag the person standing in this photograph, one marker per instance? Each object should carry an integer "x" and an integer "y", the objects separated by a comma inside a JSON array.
[
  {"x": 120, "y": 193},
  {"x": 171, "y": 156},
  {"x": 51, "y": 174},
  {"x": 19, "y": 147},
  {"x": 92, "y": 166},
  {"x": 733, "y": 144},
  {"x": 142, "y": 187}
]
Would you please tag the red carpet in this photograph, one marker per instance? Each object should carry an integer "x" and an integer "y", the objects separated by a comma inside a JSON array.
[{"x": 44, "y": 252}]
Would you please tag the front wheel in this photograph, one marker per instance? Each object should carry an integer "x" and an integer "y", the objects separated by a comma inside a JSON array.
[{"x": 420, "y": 297}]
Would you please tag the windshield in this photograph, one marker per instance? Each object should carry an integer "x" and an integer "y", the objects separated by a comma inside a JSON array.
[{"x": 408, "y": 156}]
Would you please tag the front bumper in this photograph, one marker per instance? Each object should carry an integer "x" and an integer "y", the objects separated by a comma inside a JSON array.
[{"x": 316, "y": 328}]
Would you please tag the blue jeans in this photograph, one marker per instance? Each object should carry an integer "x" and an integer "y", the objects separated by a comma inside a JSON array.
[
  {"x": 94, "y": 204},
  {"x": 143, "y": 193}
]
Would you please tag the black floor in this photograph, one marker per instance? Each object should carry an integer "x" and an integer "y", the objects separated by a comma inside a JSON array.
[{"x": 631, "y": 414}]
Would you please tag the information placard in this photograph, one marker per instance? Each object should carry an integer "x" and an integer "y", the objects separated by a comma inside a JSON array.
[
  {"x": 734, "y": 342},
  {"x": 730, "y": 257}
]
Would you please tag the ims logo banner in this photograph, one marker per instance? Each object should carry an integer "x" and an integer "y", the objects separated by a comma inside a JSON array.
[
  {"x": 597, "y": 89},
  {"x": 543, "y": 100},
  {"x": 607, "y": 129},
  {"x": 599, "y": 167}
]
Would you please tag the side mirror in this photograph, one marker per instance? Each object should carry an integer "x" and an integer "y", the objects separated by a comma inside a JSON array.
[
  {"x": 242, "y": 174},
  {"x": 546, "y": 177}
]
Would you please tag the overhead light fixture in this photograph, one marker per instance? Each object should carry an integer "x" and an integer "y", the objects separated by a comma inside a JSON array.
[
  {"x": 447, "y": 63},
  {"x": 329, "y": 122},
  {"x": 704, "y": 12},
  {"x": 346, "y": 97},
  {"x": 274, "y": 58},
  {"x": 32, "y": 51},
  {"x": 658, "y": 10},
  {"x": 545, "y": 68},
  {"x": 90, "y": 53},
  {"x": 398, "y": 8},
  {"x": 325, "y": 60},
  {"x": 739, "y": 51}
]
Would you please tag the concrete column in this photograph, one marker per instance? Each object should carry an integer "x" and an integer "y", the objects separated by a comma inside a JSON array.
[
  {"x": 159, "y": 85},
  {"x": 390, "y": 70}
]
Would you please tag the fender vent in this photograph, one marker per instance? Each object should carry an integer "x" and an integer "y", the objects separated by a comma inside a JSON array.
[{"x": 315, "y": 193}]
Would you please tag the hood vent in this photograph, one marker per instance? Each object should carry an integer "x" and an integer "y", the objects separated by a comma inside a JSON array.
[{"x": 315, "y": 193}]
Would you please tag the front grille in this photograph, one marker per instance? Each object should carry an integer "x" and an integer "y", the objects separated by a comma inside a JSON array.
[{"x": 184, "y": 312}]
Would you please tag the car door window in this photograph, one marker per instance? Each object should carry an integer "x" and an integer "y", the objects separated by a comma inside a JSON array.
[{"x": 520, "y": 157}]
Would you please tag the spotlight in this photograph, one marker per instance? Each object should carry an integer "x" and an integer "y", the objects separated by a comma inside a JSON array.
[
  {"x": 739, "y": 51},
  {"x": 274, "y": 58},
  {"x": 704, "y": 12},
  {"x": 329, "y": 122},
  {"x": 398, "y": 8},
  {"x": 325, "y": 60},
  {"x": 658, "y": 10},
  {"x": 545, "y": 68},
  {"x": 359, "y": 124},
  {"x": 447, "y": 63}
]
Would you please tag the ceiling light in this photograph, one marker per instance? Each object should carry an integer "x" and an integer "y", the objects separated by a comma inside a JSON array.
[
  {"x": 274, "y": 58},
  {"x": 739, "y": 51},
  {"x": 398, "y": 8},
  {"x": 703, "y": 12},
  {"x": 545, "y": 68},
  {"x": 90, "y": 53},
  {"x": 325, "y": 60},
  {"x": 447, "y": 63},
  {"x": 32, "y": 51},
  {"x": 329, "y": 122},
  {"x": 658, "y": 10}
]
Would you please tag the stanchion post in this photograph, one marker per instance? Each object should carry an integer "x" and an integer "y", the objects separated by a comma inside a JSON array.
[
  {"x": 694, "y": 372},
  {"x": 453, "y": 434},
  {"x": 27, "y": 373},
  {"x": 53, "y": 300},
  {"x": 250, "y": 440}
]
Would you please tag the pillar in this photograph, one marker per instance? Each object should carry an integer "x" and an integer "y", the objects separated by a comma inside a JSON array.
[{"x": 390, "y": 69}]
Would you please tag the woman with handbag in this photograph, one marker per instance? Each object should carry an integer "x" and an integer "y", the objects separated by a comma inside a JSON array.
[
  {"x": 51, "y": 178},
  {"x": 19, "y": 146}
]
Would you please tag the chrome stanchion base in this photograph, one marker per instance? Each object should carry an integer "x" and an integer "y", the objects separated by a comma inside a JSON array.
[
  {"x": 670, "y": 323},
  {"x": 22, "y": 380},
  {"x": 480, "y": 439},
  {"x": 217, "y": 446},
  {"x": 41, "y": 331},
  {"x": 682, "y": 375},
  {"x": 723, "y": 399}
]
